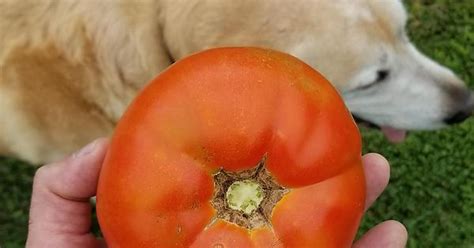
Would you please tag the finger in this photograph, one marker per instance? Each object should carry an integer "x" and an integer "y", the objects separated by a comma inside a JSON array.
[
  {"x": 60, "y": 213},
  {"x": 388, "y": 234},
  {"x": 377, "y": 174}
]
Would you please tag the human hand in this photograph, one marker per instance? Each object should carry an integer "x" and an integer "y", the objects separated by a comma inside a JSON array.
[
  {"x": 60, "y": 213},
  {"x": 388, "y": 234}
]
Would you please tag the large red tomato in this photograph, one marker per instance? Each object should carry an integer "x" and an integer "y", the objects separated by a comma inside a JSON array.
[{"x": 234, "y": 147}]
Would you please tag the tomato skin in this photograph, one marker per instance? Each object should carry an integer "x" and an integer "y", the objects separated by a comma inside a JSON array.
[
  {"x": 337, "y": 208},
  {"x": 227, "y": 108}
]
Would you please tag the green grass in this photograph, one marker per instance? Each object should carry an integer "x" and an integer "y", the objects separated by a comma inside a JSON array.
[
  {"x": 432, "y": 185},
  {"x": 15, "y": 190}
]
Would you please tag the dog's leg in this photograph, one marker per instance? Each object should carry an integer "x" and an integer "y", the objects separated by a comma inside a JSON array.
[{"x": 43, "y": 111}]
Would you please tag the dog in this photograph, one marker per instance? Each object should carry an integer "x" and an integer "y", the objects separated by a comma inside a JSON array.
[{"x": 69, "y": 68}]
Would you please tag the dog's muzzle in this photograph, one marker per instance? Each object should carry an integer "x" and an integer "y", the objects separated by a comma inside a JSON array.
[{"x": 362, "y": 122}]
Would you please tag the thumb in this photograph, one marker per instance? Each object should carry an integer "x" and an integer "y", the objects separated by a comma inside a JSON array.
[{"x": 60, "y": 212}]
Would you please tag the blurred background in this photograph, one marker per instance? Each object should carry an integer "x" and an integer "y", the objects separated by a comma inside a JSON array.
[{"x": 431, "y": 189}]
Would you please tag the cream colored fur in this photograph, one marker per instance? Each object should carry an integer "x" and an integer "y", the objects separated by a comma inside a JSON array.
[{"x": 69, "y": 68}]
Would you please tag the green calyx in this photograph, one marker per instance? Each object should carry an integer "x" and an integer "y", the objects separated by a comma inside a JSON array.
[{"x": 244, "y": 196}]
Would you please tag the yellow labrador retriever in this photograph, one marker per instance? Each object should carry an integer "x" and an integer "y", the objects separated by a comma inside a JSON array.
[{"x": 70, "y": 67}]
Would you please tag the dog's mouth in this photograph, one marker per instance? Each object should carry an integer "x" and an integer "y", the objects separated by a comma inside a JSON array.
[{"x": 394, "y": 135}]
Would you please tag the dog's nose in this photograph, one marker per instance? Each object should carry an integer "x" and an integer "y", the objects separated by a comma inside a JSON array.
[
  {"x": 466, "y": 111},
  {"x": 457, "y": 117}
]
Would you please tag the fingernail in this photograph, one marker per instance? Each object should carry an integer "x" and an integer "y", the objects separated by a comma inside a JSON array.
[{"x": 86, "y": 150}]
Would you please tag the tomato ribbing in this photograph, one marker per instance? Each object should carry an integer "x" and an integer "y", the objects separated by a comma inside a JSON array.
[{"x": 257, "y": 117}]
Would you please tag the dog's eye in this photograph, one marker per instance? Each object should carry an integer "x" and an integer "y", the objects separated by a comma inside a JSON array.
[{"x": 382, "y": 75}]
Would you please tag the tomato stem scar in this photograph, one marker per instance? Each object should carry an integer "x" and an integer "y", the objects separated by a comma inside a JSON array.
[{"x": 246, "y": 198}]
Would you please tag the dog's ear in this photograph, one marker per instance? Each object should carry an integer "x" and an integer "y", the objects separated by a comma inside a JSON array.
[
  {"x": 129, "y": 41},
  {"x": 391, "y": 13}
]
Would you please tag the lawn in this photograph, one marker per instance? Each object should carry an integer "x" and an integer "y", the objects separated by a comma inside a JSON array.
[{"x": 432, "y": 184}]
